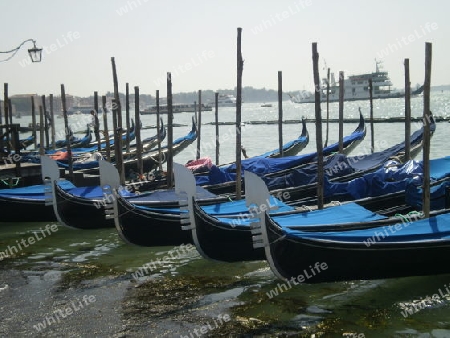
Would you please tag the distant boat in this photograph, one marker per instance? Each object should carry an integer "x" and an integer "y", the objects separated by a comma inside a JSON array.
[
  {"x": 80, "y": 110},
  {"x": 226, "y": 100},
  {"x": 266, "y": 105},
  {"x": 356, "y": 87},
  {"x": 177, "y": 108}
]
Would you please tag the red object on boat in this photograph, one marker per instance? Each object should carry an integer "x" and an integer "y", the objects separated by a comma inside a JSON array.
[
  {"x": 60, "y": 156},
  {"x": 201, "y": 164}
]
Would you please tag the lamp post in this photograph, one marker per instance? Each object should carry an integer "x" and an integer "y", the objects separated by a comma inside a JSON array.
[{"x": 35, "y": 53}]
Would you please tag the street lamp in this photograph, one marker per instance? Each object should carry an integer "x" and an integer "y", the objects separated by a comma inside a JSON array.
[{"x": 35, "y": 53}]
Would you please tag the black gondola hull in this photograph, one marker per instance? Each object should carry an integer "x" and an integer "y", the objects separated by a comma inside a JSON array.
[
  {"x": 146, "y": 228},
  {"x": 222, "y": 242},
  {"x": 321, "y": 261},
  {"x": 25, "y": 210},
  {"x": 80, "y": 213}
]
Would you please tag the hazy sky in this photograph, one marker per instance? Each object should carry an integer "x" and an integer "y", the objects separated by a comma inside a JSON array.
[{"x": 196, "y": 41}]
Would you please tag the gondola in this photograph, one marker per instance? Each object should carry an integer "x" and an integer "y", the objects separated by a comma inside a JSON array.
[
  {"x": 151, "y": 158},
  {"x": 79, "y": 150},
  {"x": 80, "y": 208},
  {"x": 293, "y": 147},
  {"x": 142, "y": 226},
  {"x": 129, "y": 223},
  {"x": 416, "y": 248},
  {"x": 222, "y": 179},
  {"x": 76, "y": 142},
  {"x": 72, "y": 207},
  {"x": 152, "y": 141},
  {"x": 27, "y": 204},
  {"x": 213, "y": 235},
  {"x": 131, "y": 132},
  {"x": 146, "y": 145},
  {"x": 289, "y": 173},
  {"x": 141, "y": 222},
  {"x": 24, "y": 143}
]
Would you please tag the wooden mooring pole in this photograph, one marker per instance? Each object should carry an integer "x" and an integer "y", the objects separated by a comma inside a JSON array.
[
  {"x": 6, "y": 110},
  {"x": 6, "y": 102},
  {"x": 328, "y": 107},
  {"x": 105, "y": 129},
  {"x": 97, "y": 122},
  {"x": 319, "y": 144},
  {"x": 341, "y": 112},
  {"x": 240, "y": 67},
  {"x": 137, "y": 119},
  {"x": 117, "y": 113},
  {"x": 116, "y": 136},
  {"x": 10, "y": 111},
  {"x": 372, "y": 132},
  {"x": 41, "y": 132},
  {"x": 66, "y": 128},
  {"x": 280, "y": 113},
  {"x": 169, "y": 132},
  {"x": 216, "y": 117},
  {"x": 52, "y": 122},
  {"x": 47, "y": 136},
  {"x": 127, "y": 117},
  {"x": 426, "y": 139},
  {"x": 160, "y": 160},
  {"x": 199, "y": 125},
  {"x": 15, "y": 136},
  {"x": 33, "y": 121},
  {"x": 407, "y": 112}
]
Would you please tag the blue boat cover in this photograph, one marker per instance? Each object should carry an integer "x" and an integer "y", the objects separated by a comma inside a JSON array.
[
  {"x": 189, "y": 137},
  {"x": 37, "y": 192},
  {"x": 34, "y": 157},
  {"x": 439, "y": 195},
  {"x": 168, "y": 195},
  {"x": 336, "y": 166},
  {"x": 34, "y": 192},
  {"x": 94, "y": 164},
  {"x": 95, "y": 192},
  {"x": 388, "y": 179},
  {"x": 286, "y": 146},
  {"x": 239, "y": 207},
  {"x": 346, "y": 213},
  {"x": 224, "y": 208},
  {"x": 435, "y": 228}
]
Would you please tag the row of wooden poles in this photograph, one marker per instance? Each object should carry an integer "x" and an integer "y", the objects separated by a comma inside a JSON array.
[
  {"x": 426, "y": 122},
  {"x": 318, "y": 119},
  {"x": 44, "y": 129}
]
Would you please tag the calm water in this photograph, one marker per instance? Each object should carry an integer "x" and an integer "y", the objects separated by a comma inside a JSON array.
[{"x": 210, "y": 289}]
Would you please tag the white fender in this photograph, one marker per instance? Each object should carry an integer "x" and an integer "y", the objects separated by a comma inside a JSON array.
[
  {"x": 257, "y": 195},
  {"x": 185, "y": 187}
]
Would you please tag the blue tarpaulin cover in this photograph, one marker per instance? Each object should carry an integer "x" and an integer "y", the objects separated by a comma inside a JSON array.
[
  {"x": 336, "y": 165},
  {"x": 433, "y": 228}
]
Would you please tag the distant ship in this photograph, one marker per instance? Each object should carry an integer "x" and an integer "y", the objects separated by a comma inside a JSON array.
[
  {"x": 226, "y": 100},
  {"x": 356, "y": 87}
]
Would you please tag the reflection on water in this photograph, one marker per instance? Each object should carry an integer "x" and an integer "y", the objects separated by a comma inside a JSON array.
[{"x": 191, "y": 286}]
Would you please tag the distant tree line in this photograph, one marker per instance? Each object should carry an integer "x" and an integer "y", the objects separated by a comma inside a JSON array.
[{"x": 249, "y": 94}]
